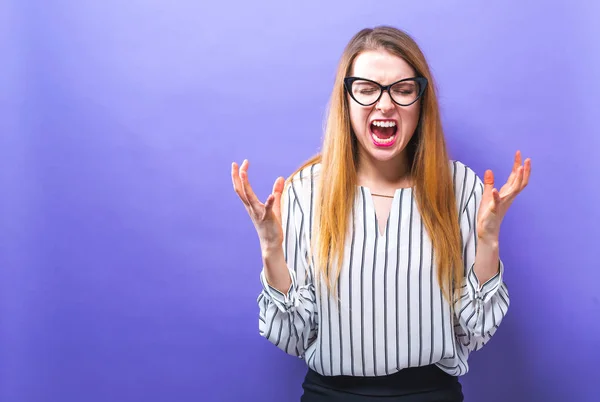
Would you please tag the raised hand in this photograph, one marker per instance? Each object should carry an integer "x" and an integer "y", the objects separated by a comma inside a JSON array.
[
  {"x": 494, "y": 203},
  {"x": 265, "y": 217}
]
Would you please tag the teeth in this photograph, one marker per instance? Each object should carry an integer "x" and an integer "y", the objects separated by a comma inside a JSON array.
[
  {"x": 383, "y": 140},
  {"x": 384, "y": 123}
]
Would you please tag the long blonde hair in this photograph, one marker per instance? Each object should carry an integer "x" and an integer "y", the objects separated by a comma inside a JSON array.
[{"x": 428, "y": 156}]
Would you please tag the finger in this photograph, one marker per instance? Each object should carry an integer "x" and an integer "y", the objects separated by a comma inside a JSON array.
[
  {"x": 495, "y": 200},
  {"x": 516, "y": 164},
  {"x": 237, "y": 183},
  {"x": 526, "y": 173},
  {"x": 253, "y": 201},
  {"x": 277, "y": 193},
  {"x": 269, "y": 205},
  {"x": 519, "y": 179},
  {"x": 488, "y": 183},
  {"x": 488, "y": 180},
  {"x": 515, "y": 188},
  {"x": 517, "y": 160}
]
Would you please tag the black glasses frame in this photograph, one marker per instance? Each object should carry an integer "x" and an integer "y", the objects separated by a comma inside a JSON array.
[{"x": 422, "y": 81}]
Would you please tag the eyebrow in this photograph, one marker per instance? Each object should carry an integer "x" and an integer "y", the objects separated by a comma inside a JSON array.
[{"x": 390, "y": 82}]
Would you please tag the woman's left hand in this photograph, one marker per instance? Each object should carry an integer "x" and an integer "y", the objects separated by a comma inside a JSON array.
[{"x": 494, "y": 203}]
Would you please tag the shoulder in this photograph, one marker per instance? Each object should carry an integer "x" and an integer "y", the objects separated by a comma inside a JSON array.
[
  {"x": 467, "y": 183},
  {"x": 306, "y": 174},
  {"x": 301, "y": 186},
  {"x": 462, "y": 173}
]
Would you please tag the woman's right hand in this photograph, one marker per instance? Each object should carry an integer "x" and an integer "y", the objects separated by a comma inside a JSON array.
[{"x": 265, "y": 217}]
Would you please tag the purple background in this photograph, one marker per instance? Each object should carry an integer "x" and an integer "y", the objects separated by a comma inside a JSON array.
[{"x": 129, "y": 270}]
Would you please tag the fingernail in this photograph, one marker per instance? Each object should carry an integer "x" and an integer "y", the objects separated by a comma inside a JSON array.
[{"x": 488, "y": 177}]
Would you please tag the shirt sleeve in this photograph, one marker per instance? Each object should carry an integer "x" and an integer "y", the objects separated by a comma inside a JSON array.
[
  {"x": 480, "y": 308},
  {"x": 289, "y": 320}
]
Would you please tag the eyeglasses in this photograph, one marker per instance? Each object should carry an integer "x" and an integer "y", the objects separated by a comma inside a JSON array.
[{"x": 367, "y": 92}]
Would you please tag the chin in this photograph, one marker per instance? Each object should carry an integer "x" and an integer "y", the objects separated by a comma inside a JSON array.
[
  {"x": 385, "y": 152},
  {"x": 378, "y": 156}
]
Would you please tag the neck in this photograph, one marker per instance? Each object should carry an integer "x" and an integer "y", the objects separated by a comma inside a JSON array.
[{"x": 384, "y": 176}]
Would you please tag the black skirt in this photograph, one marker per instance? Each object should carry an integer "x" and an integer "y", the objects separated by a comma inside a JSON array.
[{"x": 415, "y": 384}]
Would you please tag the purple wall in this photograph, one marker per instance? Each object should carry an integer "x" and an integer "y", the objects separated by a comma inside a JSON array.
[{"x": 129, "y": 271}]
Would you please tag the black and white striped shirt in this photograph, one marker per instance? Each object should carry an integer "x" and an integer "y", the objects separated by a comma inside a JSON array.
[{"x": 389, "y": 313}]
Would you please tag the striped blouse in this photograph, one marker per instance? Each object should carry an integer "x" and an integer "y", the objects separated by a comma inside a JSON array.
[{"x": 389, "y": 313}]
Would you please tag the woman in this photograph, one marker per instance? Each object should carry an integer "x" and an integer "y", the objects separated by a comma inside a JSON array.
[{"x": 381, "y": 258}]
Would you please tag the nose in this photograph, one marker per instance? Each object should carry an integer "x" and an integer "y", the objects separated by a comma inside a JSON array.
[{"x": 385, "y": 103}]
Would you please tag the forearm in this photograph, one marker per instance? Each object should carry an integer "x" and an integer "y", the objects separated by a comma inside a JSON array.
[
  {"x": 486, "y": 259},
  {"x": 484, "y": 300},
  {"x": 276, "y": 269},
  {"x": 287, "y": 308}
]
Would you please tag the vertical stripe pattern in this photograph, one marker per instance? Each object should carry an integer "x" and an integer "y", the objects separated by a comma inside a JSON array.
[{"x": 389, "y": 312}]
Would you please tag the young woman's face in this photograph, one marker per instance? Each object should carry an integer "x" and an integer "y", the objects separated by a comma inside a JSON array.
[{"x": 384, "y": 128}]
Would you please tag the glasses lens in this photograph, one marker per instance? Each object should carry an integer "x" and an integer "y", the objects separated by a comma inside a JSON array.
[
  {"x": 365, "y": 92},
  {"x": 405, "y": 92}
]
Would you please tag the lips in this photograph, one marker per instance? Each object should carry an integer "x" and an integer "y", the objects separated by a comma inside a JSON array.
[{"x": 383, "y": 132}]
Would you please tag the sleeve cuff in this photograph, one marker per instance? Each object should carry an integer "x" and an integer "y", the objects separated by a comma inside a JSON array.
[
  {"x": 485, "y": 292},
  {"x": 284, "y": 302}
]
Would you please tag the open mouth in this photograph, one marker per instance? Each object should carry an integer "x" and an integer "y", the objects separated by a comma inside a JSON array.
[{"x": 383, "y": 132}]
